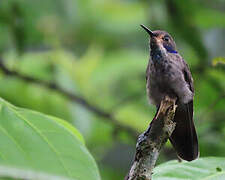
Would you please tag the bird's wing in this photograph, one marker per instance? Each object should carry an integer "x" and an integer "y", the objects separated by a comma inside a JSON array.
[
  {"x": 184, "y": 137},
  {"x": 187, "y": 76}
]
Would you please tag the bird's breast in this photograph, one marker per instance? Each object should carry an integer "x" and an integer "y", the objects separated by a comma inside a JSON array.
[{"x": 160, "y": 76}]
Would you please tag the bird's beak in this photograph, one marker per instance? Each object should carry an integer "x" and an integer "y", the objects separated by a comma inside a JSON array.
[{"x": 147, "y": 30}]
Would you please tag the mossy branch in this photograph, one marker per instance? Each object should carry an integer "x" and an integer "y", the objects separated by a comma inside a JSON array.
[{"x": 151, "y": 141}]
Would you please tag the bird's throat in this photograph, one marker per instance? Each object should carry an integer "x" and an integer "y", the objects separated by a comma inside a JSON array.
[
  {"x": 156, "y": 54},
  {"x": 169, "y": 49}
]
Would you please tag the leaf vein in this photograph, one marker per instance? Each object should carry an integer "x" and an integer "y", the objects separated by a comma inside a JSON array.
[
  {"x": 13, "y": 140},
  {"x": 44, "y": 138}
]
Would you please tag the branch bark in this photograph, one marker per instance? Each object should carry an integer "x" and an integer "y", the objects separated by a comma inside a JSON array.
[{"x": 152, "y": 140}]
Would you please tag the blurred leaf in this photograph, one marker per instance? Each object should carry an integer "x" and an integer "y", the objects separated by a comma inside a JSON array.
[
  {"x": 33, "y": 141},
  {"x": 109, "y": 174},
  {"x": 218, "y": 60},
  {"x": 208, "y": 18},
  {"x": 211, "y": 168},
  {"x": 134, "y": 116},
  {"x": 34, "y": 97}
]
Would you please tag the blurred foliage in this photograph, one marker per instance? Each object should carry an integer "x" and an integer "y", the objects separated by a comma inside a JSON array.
[{"x": 96, "y": 49}]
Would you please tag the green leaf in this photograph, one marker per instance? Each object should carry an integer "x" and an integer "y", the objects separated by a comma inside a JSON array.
[
  {"x": 211, "y": 168},
  {"x": 7, "y": 173},
  {"x": 41, "y": 144}
]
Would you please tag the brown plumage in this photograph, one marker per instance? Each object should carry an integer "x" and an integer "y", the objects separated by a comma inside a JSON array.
[{"x": 168, "y": 74}]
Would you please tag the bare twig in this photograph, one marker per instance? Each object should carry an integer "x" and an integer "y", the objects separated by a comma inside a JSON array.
[
  {"x": 78, "y": 99},
  {"x": 151, "y": 141}
]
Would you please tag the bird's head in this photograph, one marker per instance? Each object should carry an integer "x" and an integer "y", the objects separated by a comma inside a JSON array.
[{"x": 160, "y": 40}]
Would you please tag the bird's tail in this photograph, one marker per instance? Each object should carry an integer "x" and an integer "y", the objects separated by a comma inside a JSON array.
[{"x": 184, "y": 138}]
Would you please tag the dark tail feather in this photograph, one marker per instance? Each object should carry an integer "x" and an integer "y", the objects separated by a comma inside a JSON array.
[{"x": 184, "y": 137}]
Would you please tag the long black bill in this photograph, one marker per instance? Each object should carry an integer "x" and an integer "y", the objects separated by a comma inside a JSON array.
[{"x": 147, "y": 30}]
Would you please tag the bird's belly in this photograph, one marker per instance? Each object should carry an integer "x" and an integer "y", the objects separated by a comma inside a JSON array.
[
  {"x": 155, "y": 92},
  {"x": 158, "y": 86}
]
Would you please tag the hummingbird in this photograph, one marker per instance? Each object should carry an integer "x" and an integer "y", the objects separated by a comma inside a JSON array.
[{"x": 168, "y": 74}]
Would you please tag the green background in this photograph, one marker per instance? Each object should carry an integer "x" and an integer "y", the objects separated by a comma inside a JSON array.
[{"x": 97, "y": 50}]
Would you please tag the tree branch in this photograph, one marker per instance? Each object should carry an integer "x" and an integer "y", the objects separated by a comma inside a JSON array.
[
  {"x": 151, "y": 141},
  {"x": 71, "y": 96}
]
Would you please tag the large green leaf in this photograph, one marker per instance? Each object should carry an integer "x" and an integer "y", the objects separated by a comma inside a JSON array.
[
  {"x": 41, "y": 144},
  {"x": 211, "y": 168}
]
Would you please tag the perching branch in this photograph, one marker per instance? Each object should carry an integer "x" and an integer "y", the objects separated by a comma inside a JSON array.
[
  {"x": 151, "y": 141},
  {"x": 71, "y": 96}
]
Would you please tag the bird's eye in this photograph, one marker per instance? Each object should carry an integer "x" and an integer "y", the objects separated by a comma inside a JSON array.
[{"x": 166, "y": 38}]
